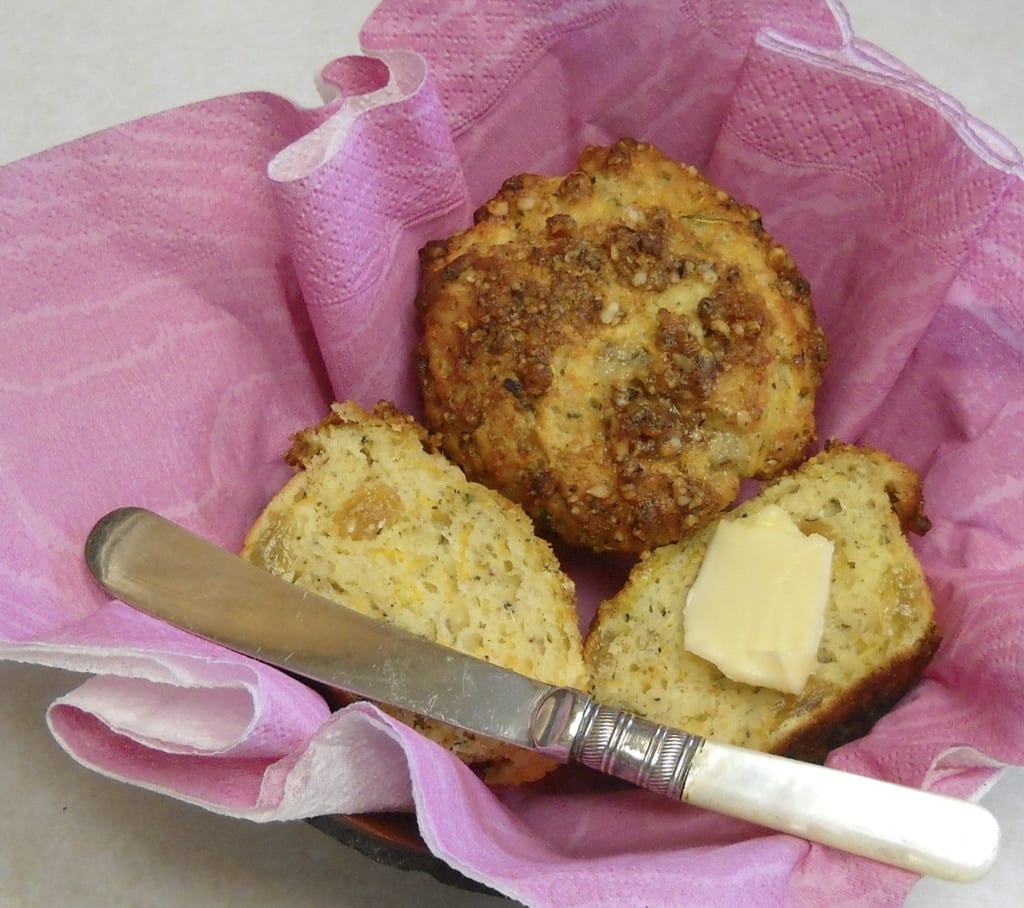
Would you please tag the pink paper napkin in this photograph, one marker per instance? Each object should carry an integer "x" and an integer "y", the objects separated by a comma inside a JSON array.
[{"x": 183, "y": 292}]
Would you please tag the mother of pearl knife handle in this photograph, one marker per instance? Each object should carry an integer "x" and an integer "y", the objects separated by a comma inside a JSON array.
[{"x": 920, "y": 831}]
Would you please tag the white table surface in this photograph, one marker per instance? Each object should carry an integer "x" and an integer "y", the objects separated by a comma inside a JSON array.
[{"x": 71, "y": 837}]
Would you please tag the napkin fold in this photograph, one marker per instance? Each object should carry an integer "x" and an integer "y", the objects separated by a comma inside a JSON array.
[{"x": 183, "y": 292}]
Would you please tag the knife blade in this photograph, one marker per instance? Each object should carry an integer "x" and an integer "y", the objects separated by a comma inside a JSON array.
[{"x": 168, "y": 572}]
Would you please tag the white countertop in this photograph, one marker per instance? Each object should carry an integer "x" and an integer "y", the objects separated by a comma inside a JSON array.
[{"x": 71, "y": 837}]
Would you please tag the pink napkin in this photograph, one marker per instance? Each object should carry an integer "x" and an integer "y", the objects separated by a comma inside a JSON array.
[{"x": 183, "y": 292}]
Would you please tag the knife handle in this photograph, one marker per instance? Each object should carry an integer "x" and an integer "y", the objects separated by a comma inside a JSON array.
[{"x": 917, "y": 830}]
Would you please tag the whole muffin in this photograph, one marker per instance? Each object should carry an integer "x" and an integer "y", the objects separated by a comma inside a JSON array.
[{"x": 618, "y": 348}]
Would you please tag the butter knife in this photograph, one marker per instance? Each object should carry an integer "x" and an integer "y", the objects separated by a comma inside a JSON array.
[{"x": 160, "y": 568}]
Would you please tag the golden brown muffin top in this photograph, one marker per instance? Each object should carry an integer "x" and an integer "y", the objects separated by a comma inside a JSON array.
[{"x": 616, "y": 349}]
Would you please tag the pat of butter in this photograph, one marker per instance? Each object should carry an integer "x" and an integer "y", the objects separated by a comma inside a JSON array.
[{"x": 757, "y": 607}]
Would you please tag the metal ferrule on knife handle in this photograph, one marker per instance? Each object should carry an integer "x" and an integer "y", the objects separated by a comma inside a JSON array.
[
  {"x": 625, "y": 746},
  {"x": 570, "y": 725}
]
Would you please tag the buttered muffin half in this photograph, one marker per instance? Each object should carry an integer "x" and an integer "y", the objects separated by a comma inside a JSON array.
[
  {"x": 376, "y": 521},
  {"x": 618, "y": 348},
  {"x": 877, "y": 628}
]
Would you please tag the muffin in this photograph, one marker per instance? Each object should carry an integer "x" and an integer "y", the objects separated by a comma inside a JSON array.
[
  {"x": 617, "y": 349},
  {"x": 879, "y": 626},
  {"x": 378, "y": 522}
]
